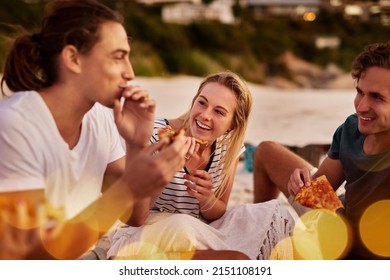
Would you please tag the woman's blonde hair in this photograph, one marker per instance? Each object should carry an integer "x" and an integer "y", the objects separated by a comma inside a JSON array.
[{"x": 235, "y": 137}]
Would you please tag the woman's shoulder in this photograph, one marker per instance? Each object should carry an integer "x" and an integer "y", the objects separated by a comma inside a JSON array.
[{"x": 158, "y": 123}]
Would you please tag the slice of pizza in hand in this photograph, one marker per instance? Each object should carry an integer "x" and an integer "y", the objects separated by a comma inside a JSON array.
[
  {"x": 319, "y": 195},
  {"x": 168, "y": 134},
  {"x": 201, "y": 141}
]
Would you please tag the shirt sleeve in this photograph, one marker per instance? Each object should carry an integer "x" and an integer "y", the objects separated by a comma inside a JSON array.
[{"x": 334, "y": 150}]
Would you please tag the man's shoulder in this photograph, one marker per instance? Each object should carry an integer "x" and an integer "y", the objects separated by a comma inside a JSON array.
[
  {"x": 352, "y": 119},
  {"x": 18, "y": 106},
  {"x": 351, "y": 123},
  {"x": 349, "y": 129},
  {"x": 21, "y": 98}
]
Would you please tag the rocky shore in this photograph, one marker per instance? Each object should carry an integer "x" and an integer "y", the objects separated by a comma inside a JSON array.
[{"x": 308, "y": 75}]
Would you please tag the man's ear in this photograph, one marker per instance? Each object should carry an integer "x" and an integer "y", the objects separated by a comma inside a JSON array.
[{"x": 70, "y": 57}]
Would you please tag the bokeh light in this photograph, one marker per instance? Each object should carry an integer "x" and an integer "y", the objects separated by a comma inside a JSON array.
[
  {"x": 320, "y": 235},
  {"x": 66, "y": 241},
  {"x": 371, "y": 166},
  {"x": 374, "y": 228},
  {"x": 163, "y": 236},
  {"x": 23, "y": 209},
  {"x": 283, "y": 250},
  {"x": 141, "y": 251},
  {"x": 309, "y": 16},
  {"x": 149, "y": 251}
]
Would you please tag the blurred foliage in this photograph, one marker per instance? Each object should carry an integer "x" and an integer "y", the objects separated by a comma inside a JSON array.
[{"x": 250, "y": 48}]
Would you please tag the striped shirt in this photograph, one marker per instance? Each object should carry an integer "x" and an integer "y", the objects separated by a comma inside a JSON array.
[{"x": 175, "y": 198}]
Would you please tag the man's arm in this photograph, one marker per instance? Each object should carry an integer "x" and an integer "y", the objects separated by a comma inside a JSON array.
[
  {"x": 146, "y": 174},
  {"x": 29, "y": 232},
  {"x": 333, "y": 170},
  {"x": 113, "y": 172}
]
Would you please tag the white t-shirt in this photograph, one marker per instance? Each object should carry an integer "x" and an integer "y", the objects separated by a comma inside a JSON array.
[{"x": 33, "y": 155}]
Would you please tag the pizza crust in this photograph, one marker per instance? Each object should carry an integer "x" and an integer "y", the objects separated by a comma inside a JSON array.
[{"x": 201, "y": 142}]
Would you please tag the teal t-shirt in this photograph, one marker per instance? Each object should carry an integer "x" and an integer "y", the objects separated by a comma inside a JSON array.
[{"x": 367, "y": 176}]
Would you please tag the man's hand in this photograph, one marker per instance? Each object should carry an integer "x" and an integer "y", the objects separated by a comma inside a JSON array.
[
  {"x": 150, "y": 170},
  {"x": 135, "y": 118},
  {"x": 299, "y": 178}
]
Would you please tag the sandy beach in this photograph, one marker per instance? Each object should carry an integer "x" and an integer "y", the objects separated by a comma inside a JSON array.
[{"x": 294, "y": 117}]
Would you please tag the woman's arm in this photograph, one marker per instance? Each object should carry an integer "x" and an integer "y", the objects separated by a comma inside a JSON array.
[{"x": 211, "y": 207}]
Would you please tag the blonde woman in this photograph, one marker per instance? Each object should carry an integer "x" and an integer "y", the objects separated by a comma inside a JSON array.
[{"x": 191, "y": 212}]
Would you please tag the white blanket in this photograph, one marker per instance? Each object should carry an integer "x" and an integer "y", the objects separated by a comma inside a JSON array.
[{"x": 254, "y": 229}]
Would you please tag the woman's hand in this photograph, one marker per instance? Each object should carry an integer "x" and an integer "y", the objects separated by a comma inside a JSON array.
[
  {"x": 193, "y": 147},
  {"x": 299, "y": 178},
  {"x": 199, "y": 185},
  {"x": 135, "y": 118}
]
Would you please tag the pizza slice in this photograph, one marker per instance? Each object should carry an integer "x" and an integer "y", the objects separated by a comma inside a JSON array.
[
  {"x": 168, "y": 134},
  {"x": 319, "y": 195},
  {"x": 201, "y": 141}
]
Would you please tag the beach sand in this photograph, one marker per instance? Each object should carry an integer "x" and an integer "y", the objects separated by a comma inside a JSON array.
[{"x": 295, "y": 117}]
